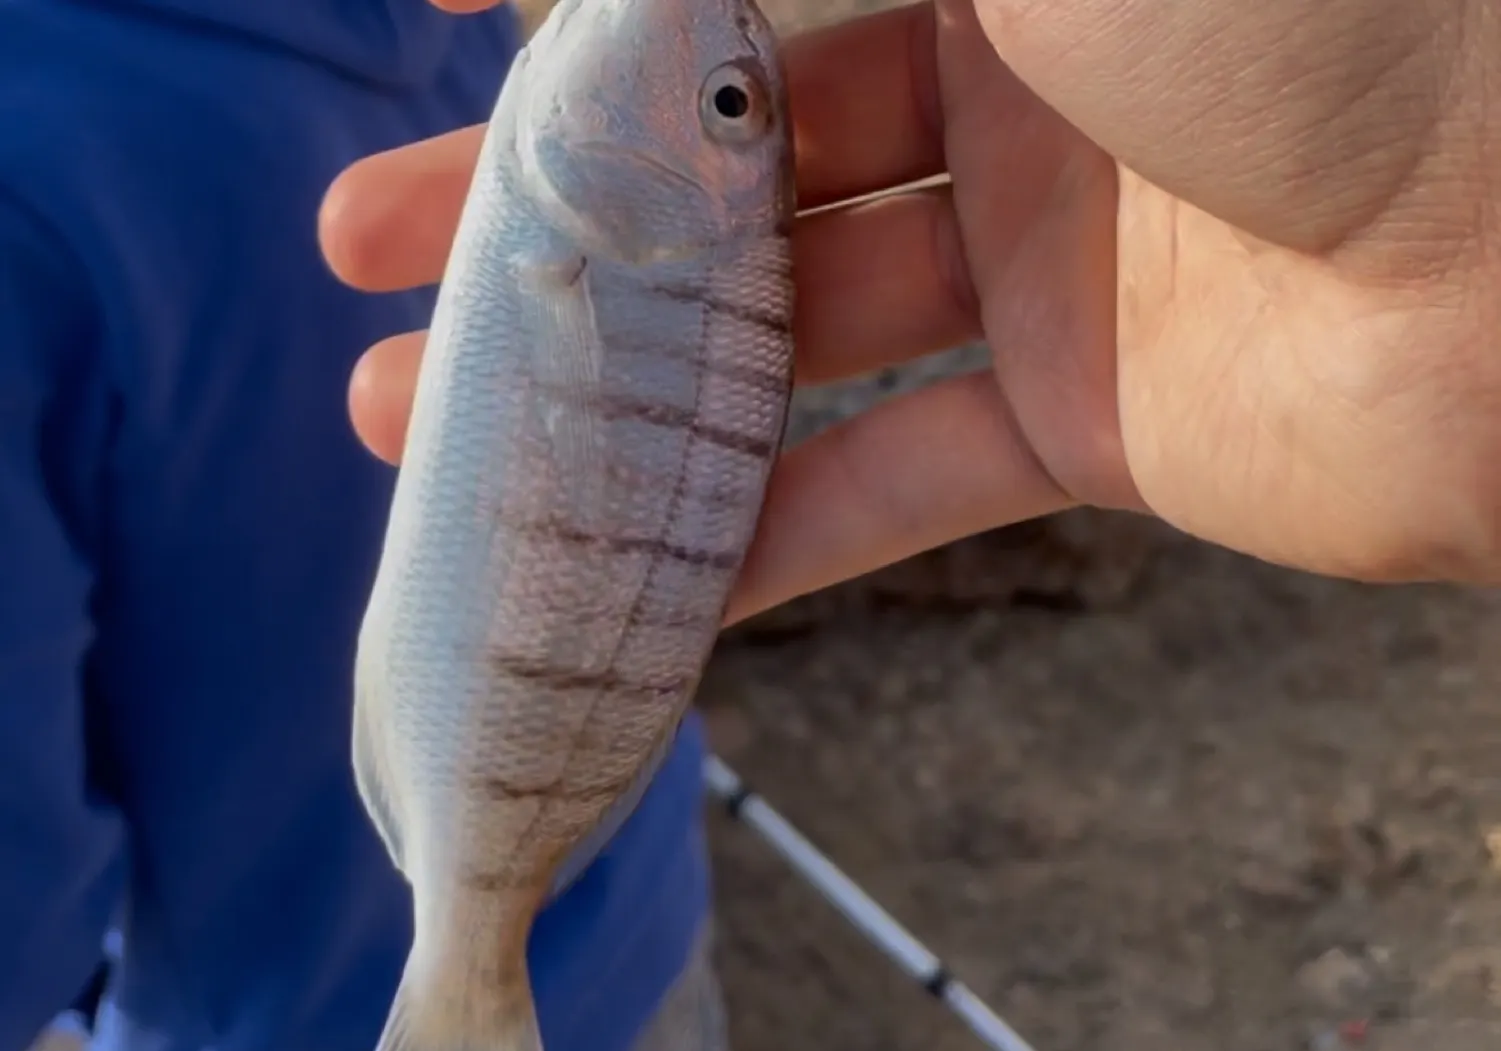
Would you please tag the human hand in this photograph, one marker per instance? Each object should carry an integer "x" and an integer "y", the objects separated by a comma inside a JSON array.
[{"x": 1246, "y": 281}]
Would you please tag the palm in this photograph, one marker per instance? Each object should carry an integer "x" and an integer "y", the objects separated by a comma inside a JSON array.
[
  {"x": 1155, "y": 356},
  {"x": 1256, "y": 400}
]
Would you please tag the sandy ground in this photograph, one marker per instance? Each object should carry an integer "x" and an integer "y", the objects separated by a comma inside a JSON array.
[{"x": 1233, "y": 808}]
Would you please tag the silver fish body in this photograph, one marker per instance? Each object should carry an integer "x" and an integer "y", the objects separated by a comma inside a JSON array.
[{"x": 604, "y": 391}]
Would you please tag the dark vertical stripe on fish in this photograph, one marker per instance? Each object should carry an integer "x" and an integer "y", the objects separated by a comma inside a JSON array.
[{"x": 615, "y": 407}]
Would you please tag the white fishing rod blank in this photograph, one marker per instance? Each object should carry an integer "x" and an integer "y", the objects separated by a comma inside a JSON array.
[{"x": 748, "y": 807}]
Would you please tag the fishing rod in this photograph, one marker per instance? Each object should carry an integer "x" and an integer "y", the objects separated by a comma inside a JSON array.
[{"x": 746, "y": 806}]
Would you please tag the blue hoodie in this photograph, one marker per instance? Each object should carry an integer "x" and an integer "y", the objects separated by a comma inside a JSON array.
[{"x": 188, "y": 530}]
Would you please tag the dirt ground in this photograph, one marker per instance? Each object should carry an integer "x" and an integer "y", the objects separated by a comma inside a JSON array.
[
  {"x": 1233, "y": 808},
  {"x": 1140, "y": 793}
]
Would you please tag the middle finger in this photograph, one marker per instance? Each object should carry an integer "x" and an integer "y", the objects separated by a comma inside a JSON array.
[{"x": 865, "y": 115}]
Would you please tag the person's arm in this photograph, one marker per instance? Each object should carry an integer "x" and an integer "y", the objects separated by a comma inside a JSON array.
[{"x": 62, "y": 860}]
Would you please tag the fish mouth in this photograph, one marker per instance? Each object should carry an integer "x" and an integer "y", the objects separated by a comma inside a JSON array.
[{"x": 759, "y": 35}]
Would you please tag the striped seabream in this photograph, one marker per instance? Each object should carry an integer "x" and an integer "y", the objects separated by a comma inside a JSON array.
[{"x": 602, "y": 396}]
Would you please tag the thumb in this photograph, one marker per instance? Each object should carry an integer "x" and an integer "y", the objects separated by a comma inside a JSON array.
[{"x": 1299, "y": 121}]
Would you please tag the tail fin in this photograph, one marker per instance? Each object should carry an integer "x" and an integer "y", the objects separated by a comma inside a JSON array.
[{"x": 439, "y": 1008}]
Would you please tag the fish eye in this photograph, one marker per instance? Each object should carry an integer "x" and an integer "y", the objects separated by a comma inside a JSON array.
[{"x": 735, "y": 105}]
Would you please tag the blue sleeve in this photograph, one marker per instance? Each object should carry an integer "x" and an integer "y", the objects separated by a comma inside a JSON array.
[{"x": 61, "y": 846}]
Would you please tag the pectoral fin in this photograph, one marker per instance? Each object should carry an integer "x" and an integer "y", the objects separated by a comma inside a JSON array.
[
  {"x": 372, "y": 781},
  {"x": 567, "y": 366}
]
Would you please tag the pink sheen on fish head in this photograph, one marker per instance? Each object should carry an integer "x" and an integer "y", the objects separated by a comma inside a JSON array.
[{"x": 660, "y": 127}]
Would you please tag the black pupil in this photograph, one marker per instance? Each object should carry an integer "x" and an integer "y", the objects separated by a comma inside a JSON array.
[{"x": 731, "y": 102}]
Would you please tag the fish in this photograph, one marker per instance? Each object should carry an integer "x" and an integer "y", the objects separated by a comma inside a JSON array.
[{"x": 603, "y": 395}]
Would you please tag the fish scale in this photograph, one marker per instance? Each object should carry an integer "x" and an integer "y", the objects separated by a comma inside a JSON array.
[{"x": 603, "y": 393}]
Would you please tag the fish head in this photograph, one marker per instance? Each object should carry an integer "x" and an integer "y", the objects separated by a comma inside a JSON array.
[{"x": 656, "y": 129}]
